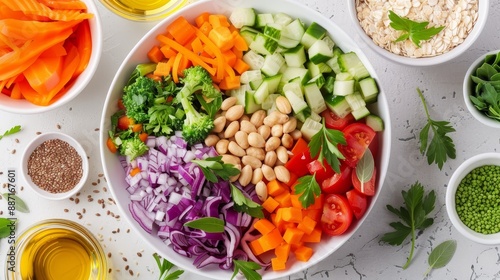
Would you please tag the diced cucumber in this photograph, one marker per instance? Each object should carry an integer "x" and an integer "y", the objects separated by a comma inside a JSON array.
[
  {"x": 270, "y": 101},
  {"x": 293, "y": 72},
  {"x": 319, "y": 52},
  {"x": 250, "y": 105},
  {"x": 310, "y": 128},
  {"x": 315, "y": 117},
  {"x": 262, "y": 20},
  {"x": 248, "y": 33},
  {"x": 240, "y": 93},
  {"x": 350, "y": 62},
  {"x": 294, "y": 87},
  {"x": 375, "y": 122},
  {"x": 263, "y": 44},
  {"x": 254, "y": 60},
  {"x": 242, "y": 17},
  {"x": 269, "y": 85},
  {"x": 343, "y": 76},
  {"x": 295, "y": 30},
  {"x": 328, "y": 40},
  {"x": 298, "y": 104},
  {"x": 250, "y": 75},
  {"x": 272, "y": 64},
  {"x": 338, "y": 105},
  {"x": 314, "y": 98},
  {"x": 282, "y": 19},
  {"x": 256, "y": 83},
  {"x": 287, "y": 43},
  {"x": 317, "y": 69},
  {"x": 343, "y": 88},
  {"x": 314, "y": 32},
  {"x": 295, "y": 57},
  {"x": 273, "y": 31},
  {"x": 334, "y": 61},
  {"x": 328, "y": 86},
  {"x": 319, "y": 80},
  {"x": 360, "y": 113},
  {"x": 369, "y": 89},
  {"x": 355, "y": 101}
]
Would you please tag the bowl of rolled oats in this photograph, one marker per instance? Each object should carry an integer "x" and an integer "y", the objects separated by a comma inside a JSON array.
[{"x": 419, "y": 32}]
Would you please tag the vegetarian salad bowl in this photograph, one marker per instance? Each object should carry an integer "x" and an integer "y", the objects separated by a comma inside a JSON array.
[{"x": 260, "y": 222}]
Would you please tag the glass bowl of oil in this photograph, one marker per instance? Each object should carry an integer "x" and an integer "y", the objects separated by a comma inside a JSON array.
[
  {"x": 144, "y": 10},
  {"x": 57, "y": 249}
]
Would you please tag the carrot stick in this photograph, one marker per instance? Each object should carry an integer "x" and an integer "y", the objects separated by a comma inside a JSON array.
[
  {"x": 216, "y": 51},
  {"x": 175, "y": 67}
]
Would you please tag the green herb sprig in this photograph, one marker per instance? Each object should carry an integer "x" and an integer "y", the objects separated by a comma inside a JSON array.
[
  {"x": 248, "y": 268},
  {"x": 324, "y": 145},
  {"x": 441, "y": 146},
  {"x": 415, "y": 31},
  {"x": 165, "y": 268},
  {"x": 244, "y": 204},
  {"x": 5, "y": 227},
  {"x": 213, "y": 167},
  {"x": 12, "y": 130},
  {"x": 413, "y": 217},
  {"x": 207, "y": 224},
  {"x": 441, "y": 255},
  {"x": 308, "y": 189}
]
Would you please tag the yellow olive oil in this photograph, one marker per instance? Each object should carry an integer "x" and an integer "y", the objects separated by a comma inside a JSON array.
[{"x": 143, "y": 9}]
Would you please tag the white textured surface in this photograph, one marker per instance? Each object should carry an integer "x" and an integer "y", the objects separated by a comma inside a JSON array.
[{"x": 364, "y": 256}]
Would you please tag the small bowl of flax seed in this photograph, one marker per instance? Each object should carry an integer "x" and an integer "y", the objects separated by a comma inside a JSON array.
[{"x": 55, "y": 165}]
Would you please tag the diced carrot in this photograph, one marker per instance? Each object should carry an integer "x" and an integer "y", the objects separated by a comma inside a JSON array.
[
  {"x": 278, "y": 264},
  {"x": 237, "y": 53},
  {"x": 201, "y": 19},
  {"x": 313, "y": 237},
  {"x": 229, "y": 58},
  {"x": 314, "y": 214},
  {"x": 282, "y": 252},
  {"x": 111, "y": 145},
  {"x": 256, "y": 247},
  {"x": 230, "y": 82},
  {"x": 218, "y": 20},
  {"x": 293, "y": 235},
  {"x": 275, "y": 188},
  {"x": 155, "y": 54},
  {"x": 239, "y": 43},
  {"x": 270, "y": 204},
  {"x": 143, "y": 136},
  {"x": 222, "y": 38},
  {"x": 135, "y": 171},
  {"x": 240, "y": 66},
  {"x": 205, "y": 28},
  {"x": 181, "y": 30},
  {"x": 271, "y": 240},
  {"x": 307, "y": 225},
  {"x": 264, "y": 226},
  {"x": 197, "y": 46},
  {"x": 167, "y": 51},
  {"x": 217, "y": 52},
  {"x": 303, "y": 253},
  {"x": 291, "y": 214},
  {"x": 284, "y": 199},
  {"x": 137, "y": 127}
]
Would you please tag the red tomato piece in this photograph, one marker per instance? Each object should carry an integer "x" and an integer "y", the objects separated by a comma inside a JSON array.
[
  {"x": 367, "y": 188},
  {"x": 124, "y": 123},
  {"x": 301, "y": 157},
  {"x": 339, "y": 182},
  {"x": 333, "y": 121},
  {"x": 358, "y": 203},
  {"x": 358, "y": 137},
  {"x": 322, "y": 171},
  {"x": 337, "y": 214}
]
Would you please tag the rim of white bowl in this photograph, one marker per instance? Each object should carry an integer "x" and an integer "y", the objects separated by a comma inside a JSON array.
[
  {"x": 33, "y": 144},
  {"x": 483, "y": 9},
  {"x": 465, "y": 168},
  {"x": 468, "y": 88}
]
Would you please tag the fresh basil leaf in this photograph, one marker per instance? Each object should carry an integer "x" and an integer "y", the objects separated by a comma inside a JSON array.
[
  {"x": 441, "y": 255},
  {"x": 5, "y": 227},
  {"x": 207, "y": 224},
  {"x": 19, "y": 203}
]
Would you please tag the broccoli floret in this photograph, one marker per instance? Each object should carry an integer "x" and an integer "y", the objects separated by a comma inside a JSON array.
[
  {"x": 197, "y": 125},
  {"x": 139, "y": 96},
  {"x": 133, "y": 147}
]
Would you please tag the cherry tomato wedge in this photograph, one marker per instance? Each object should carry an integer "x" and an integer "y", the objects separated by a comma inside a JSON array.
[
  {"x": 322, "y": 171},
  {"x": 333, "y": 121},
  {"x": 358, "y": 137},
  {"x": 124, "y": 122},
  {"x": 337, "y": 214},
  {"x": 358, "y": 203},
  {"x": 367, "y": 188},
  {"x": 338, "y": 182}
]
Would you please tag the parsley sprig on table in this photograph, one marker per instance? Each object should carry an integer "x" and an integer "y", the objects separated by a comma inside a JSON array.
[
  {"x": 247, "y": 268},
  {"x": 165, "y": 268},
  {"x": 413, "y": 217},
  {"x": 12, "y": 130},
  {"x": 415, "y": 31},
  {"x": 324, "y": 145},
  {"x": 441, "y": 146}
]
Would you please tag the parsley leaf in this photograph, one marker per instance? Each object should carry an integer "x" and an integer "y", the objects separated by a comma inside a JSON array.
[
  {"x": 248, "y": 269},
  {"x": 308, "y": 189},
  {"x": 12, "y": 130},
  {"x": 244, "y": 204},
  {"x": 413, "y": 217},
  {"x": 165, "y": 266},
  {"x": 415, "y": 31},
  {"x": 324, "y": 145},
  {"x": 213, "y": 167},
  {"x": 441, "y": 146}
]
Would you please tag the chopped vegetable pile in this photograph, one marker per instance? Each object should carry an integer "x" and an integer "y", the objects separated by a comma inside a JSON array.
[
  {"x": 44, "y": 46},
  {"x": 247, "y": 140}
]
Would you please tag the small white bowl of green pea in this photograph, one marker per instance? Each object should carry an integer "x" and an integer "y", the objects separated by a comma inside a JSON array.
[{"x": 473, "y": 198}]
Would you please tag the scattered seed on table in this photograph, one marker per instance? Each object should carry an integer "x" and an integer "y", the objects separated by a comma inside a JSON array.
[
  {"x": 131, "y": 272},
  {"x": 58, "y": 126},
  {"x": 13, "y": 151},
  {"x": 77, "y": 200},
  {"x": 17, "y": 140},
  {"x": 124, "y": 259},
  {"x": 66, "y": 210},
  {"x": 98, "y": 214},
  {"x": 139, "y": 254}
]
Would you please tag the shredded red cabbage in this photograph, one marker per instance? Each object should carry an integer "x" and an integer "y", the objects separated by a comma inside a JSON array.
[{"x": 170, "y": 190}]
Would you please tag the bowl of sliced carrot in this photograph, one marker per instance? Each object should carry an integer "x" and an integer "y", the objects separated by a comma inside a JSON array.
[
  {"x": 49, "y": 52},
  {"x": 245, "y": 137}
]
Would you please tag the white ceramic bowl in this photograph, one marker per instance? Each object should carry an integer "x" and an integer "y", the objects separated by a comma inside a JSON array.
[
  {"x": 115, "y": 174},
  {"x": 37, "y": 142},
  {"x": 468, "y": 89},
  {"x": 465, "y": 168},
  {"x": 425, "y": 61},
  {"x": 22, "y": 106}
]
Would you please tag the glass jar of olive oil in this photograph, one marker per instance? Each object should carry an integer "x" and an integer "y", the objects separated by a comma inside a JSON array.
[
  {"x": 57, "y": 249},
  {"x": 143, "y": 10}
]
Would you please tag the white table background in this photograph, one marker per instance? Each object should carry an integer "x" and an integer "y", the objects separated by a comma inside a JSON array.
[{"x": 363, "y": 256}]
